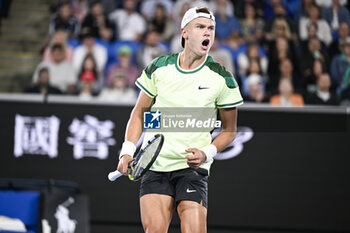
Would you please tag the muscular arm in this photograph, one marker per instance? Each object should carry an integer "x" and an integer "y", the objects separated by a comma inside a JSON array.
[
  {"x": 228, "y": 118},
  {"x": 134, "y": 128}
]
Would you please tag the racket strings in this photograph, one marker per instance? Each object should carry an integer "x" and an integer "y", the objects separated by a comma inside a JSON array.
[{"x": 146, "y": 157}]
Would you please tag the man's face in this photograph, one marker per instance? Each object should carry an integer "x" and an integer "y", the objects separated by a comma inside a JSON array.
[
  {"x": 343, "y": 30},
  {"x": 199, "y": 35},
  {"x": 89, "y": 42},
  {"x": 152, "y": 39},
  {"x": 129, "y": 5},
  {"x": 65, "y": 11},
  {"x": 44, "y": 78},
  {"x": 324, "y": 82},
  {"x": 57, "y": 55},
  {"x": 97, "y": 9},
  {"x": 314, "y": 45},
  {"x": 285, "y": 88}
]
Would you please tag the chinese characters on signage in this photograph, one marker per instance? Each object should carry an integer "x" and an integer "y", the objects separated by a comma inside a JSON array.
[{"x": 39, "y": 136}]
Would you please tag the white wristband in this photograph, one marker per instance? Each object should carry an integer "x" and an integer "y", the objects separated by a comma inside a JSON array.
[
  {"x": 128, "y": 148},
  {"x": 210, "y": 151}
]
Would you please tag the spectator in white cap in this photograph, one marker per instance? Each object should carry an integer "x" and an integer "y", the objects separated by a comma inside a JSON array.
[
  {"x": 256, "y": 90},
  {"x": 178, "y": 179}
]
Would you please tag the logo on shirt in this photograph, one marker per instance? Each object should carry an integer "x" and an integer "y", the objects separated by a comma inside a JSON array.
[
  {"x": 152, "y": 120},
  {"x": 202, "y": 88}
]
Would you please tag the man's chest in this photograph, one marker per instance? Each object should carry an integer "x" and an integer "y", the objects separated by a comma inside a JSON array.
[{"x": 180, "y": 89}]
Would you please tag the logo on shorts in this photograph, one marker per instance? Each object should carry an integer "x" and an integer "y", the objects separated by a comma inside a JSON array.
[
  {"x": 152, "y": 120},
  {"x": 191, "y": 190}
]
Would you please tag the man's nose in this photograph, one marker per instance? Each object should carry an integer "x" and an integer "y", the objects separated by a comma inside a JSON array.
[{"x": 206, "y": 32}]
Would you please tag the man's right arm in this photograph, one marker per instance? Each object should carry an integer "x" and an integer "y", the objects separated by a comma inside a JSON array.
[{"x": 134, "y": 129}]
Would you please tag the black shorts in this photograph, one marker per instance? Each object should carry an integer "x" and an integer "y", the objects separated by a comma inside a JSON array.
[{"x": 186, "y": 184}]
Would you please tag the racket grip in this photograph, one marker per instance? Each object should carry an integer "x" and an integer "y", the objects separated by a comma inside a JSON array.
[{"x": 112, "y": 176}]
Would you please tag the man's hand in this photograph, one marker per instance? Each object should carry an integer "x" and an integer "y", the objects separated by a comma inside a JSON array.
[
  {"x": 124, "y": 164},
  {"x": 196, "y": 159}
]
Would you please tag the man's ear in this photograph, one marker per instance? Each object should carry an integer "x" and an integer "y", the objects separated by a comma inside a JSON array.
[{"x": 184, "y": 33}]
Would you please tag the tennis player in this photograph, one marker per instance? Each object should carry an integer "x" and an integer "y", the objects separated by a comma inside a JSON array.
[{"x": 179, "y": 177}]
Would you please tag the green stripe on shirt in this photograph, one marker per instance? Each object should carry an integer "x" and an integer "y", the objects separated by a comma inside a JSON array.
[
  {"x": 143, "y": 88},
  {"x": 227, "y": 105}
]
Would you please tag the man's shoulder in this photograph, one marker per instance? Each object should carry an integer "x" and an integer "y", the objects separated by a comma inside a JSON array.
[
  {"x": 221, "y": 71},
  {"x": 117, "y": 13},
  {"x": 160, "y": 62}
]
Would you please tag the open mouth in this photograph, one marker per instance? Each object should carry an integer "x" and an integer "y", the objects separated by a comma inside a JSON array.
[{"x": 205, "y": 42}]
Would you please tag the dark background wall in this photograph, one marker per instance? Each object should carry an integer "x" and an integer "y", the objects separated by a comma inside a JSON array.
[{"x": 292, "y": 175}]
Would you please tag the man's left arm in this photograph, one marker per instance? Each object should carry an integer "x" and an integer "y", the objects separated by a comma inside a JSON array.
[{"x": 228, "y": 118}]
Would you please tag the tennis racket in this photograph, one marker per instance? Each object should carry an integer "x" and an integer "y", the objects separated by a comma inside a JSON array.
[{"x": 143, "y": 161}]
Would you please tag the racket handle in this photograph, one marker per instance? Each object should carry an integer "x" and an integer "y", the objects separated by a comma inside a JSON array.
[{"x": 112, "y": 176}]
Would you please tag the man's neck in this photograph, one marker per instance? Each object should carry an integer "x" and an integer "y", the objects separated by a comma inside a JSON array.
[{"x": 189, "y": 61}]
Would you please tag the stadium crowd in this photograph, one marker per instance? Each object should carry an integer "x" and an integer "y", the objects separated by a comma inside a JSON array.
[{"x": 282, "y": 52}]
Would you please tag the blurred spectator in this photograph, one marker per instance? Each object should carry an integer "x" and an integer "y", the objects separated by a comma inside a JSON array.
[
  {"x": 89, "y": 46},
  {"x": 235, "y": 44},
  {"x": 97, "y": 23},
  {"x": 175, "y": 43},
  {"x": 225, "y": 24},
  {"x": 269, "y": 7},
  {"x": 239, "y": 6},
  {"x": 161, "y": 23},
  {"x": 222, "y": 56},
  {"x": 110, "y": 6},
  {"x": 336, "y": 14},
  {"x": 87, "y": 79},
  {"x": 279, "y": 50},
  {"x": 61, "y": 72},
  {"x": 340, "y": 68},
  {"x": 256, "y": 90},
  {"x": 43, "y": 85},
  {"x": 280, "y": 28},
  {"x": 149, "y": 7},
  {"x": 130, "y": 25},
  {"x": 253, "y": 70},
  {"x": 319, "y": 67},
  {"x": 323, "y": 96},
  {"x": 60, "y": 37},
  {"x": 287, "y": 71},
  {"x": 252, "y": 27},
  {"x": 118, "y": 91},
  {"x": 343, "y": 33},
  {"x": 251, "y": 54},
  {"x": 292, "y": 7},
  {"x": 89, "y": 73},
  {"x": 328, "y": 3},
  {"x": 150, "y": 49},
  {"x": 124, "y": 65},
  {"x": 302, "y": 11},
  {"x": 80, "y": 9},
  {"x": 287, "y": 97},
  {"x": 280, "y": 25},
  {"x": 213, "y": 5},
  {"x": 314, "y": 17},
  {"x": 180, "y": 7},
  {"x": 64, "y": 19},
  {"x": 313, "y": 52},
  {"x": 312, "y": 30}
]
